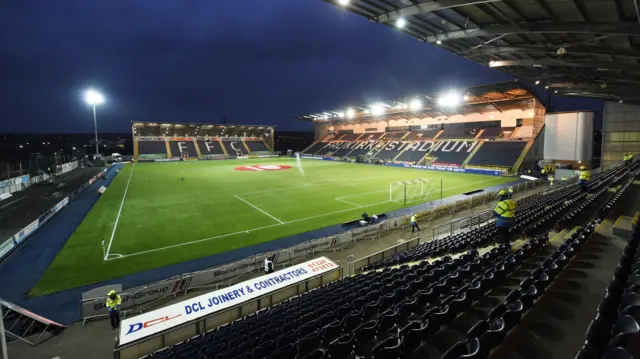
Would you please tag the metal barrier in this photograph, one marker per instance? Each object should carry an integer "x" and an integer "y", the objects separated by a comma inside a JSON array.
[
  {"x": 202, "y": 325},
  {"x": 123, "y": 295}
]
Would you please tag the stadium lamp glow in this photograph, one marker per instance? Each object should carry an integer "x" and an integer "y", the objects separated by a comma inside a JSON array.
[
  {"x": 350, "y": 113},
  {"x": 93, "y": 97},
  {"x": 415, "y": 104},
  {"x": 451, "y": 99},
  {"x": 344, "y": 2},
  {"x": 377, "y": 109},
  {"x": 401, "y": 23}
]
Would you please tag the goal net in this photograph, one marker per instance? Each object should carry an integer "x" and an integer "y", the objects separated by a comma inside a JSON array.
[{"x": 408, "y": 191}]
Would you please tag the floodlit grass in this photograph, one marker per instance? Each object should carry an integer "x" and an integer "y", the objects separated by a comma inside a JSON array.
[{"x": 166, "y": 220}]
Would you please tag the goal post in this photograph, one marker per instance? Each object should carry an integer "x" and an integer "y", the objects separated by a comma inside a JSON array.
[{"x": 418, "y": 189}]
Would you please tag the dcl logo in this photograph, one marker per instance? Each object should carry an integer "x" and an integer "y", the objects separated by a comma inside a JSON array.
[{"x": 138, "y": 326}]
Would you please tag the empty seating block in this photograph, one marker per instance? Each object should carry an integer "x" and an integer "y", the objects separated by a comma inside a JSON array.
[
  {"x": 452, "y": 152},
  {"x": 152, "y": 149},
  {"x": 315, "y": 148},
  {"x": 421, "y": 135},
  {"x": 256, "y": 146},
  {"x": 183, "y": 148},
  {"x": 371, "y": 136},
  {"x": 499, "y": 154},
  {"x": 457, "y": 133},
  {"x": 391, "y": 150},
  {"x": 349, "y": 136},
  {"x": 345, "y": 148},
  {"x": 210, "y": 148},
  {"x": 234, "y": 147},
  {"x": 394, "y": 135},
  {"x": 415, "y": 151},
  {"x": 331, "y": 148}
]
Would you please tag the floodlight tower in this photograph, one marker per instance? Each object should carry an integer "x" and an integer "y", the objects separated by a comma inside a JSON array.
[{"x": 93, "y": 98}]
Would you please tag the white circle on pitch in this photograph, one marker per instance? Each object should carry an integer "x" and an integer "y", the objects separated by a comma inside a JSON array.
[{"x": 269, "y": 167}]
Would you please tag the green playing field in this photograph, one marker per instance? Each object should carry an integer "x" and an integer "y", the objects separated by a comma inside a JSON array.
[{"x": 155, "y": 214}]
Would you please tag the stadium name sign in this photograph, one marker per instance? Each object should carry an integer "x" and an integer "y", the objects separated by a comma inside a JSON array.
[{"x": 165, "y": 318}]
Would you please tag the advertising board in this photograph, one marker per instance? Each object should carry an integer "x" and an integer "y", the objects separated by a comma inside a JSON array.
[
  {"x": 26, "y": 231},
  {"x": 6, "y": 246},
  {"x": 141, "y": 326}
]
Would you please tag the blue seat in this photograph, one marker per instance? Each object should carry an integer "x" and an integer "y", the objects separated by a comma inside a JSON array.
[
  {"x": 264, "y": 349},
  {"x": 617, "y": 353},
  {"x": 309, "y": 343},
  {"x": 317, "y": 354},
  {"x": 388, "y": 349},
  {"x": 287, "y": 351},
  {"x": 468, "y": 349},
  {"x": 331, "y": 332},
  {"x": 341, "y": 348},
  {"x": 365, "y": 333}
]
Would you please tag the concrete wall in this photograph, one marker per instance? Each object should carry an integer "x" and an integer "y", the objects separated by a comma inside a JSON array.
[
  {"x": 569, "y": 136},
  {"x": 621, "y": 131}
]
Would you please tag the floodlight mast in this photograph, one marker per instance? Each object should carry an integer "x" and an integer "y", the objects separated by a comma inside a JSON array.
[{"x": 93, "y": 98}]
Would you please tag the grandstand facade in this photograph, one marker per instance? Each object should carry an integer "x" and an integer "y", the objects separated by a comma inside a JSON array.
[
  {"x": 494, "y": 128},
  {"x": 177, "y": 141}
]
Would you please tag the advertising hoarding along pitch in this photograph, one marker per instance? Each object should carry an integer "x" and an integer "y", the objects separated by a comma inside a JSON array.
[{"x": 144, "y": 325}]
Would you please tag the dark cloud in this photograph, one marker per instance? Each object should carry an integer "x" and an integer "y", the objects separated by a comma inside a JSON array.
[{"x": 254, "y": 61}]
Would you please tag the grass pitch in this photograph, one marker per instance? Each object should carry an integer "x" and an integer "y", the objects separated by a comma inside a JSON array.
[{"x": 149, "y": 217}]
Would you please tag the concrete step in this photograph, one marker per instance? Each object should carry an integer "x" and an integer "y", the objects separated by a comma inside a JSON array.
[{"x": 623, "y": 227}]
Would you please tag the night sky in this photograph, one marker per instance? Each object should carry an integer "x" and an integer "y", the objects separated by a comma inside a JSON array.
[{"x": 251, "y": 61}]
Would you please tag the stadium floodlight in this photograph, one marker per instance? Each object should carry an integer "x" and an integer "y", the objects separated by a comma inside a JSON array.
[
  {"x": 377, "y": 109},
  {"x": 94, "y": 98},
  {"x": 344, "y": 2},
  {"x": 415, "y": 104},
  {"x": 439, "y": 42},
  {"x": 450, "y": 99},
  {"x": 341, "y": 114},
  {"x": 351, "y": 113},
  {"x": 401, "y": 23}
]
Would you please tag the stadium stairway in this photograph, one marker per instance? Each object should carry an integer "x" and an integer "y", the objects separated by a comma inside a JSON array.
[
  {"x": 473, "y": 153},
  {"x": 522, "y": 156},
  {"x": 169, "y": 155}
]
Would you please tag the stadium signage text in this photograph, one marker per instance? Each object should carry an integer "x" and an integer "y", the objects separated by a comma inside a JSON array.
[{"x": 156, "y": 321}]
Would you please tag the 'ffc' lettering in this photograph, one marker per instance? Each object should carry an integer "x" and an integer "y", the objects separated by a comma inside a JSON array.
[{"x": 138, "y": 326}]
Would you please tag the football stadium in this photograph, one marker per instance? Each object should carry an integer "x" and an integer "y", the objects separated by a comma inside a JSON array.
[{"x": 458, "y": 222}]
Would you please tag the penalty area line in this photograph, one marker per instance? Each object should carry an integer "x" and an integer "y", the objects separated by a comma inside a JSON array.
[
  {"x": 239, "y": 232},
  {"x": 256, "y": 207},
  {"x": 259, "y": 228}
]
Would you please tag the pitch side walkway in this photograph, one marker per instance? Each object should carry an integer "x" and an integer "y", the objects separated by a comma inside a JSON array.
[{"x": 22, "y": 269}]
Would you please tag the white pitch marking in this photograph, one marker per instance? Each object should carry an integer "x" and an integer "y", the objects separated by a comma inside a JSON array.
[
  {"x": 347, "y": 202},
  {"x": 256, "y": 207},
  {"x": 113, "y": 233},
  {"x": 259, "y": 228},
  {"x": 12, "y": 202}
]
